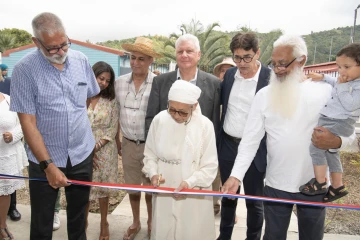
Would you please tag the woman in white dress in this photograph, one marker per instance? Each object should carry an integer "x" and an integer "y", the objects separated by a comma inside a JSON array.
[
  {"x": 180, "y": 152},
  {"x": 12, "y": 160}
]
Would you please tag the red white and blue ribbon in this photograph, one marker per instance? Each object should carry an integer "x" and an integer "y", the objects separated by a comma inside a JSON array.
[{"x": 151, "y": 189}]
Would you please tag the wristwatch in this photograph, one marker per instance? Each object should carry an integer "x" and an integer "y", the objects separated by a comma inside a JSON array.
[{"x": 44, "y": 164}]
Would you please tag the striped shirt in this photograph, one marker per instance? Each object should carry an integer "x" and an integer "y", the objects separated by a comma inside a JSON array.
[
  {"x": 58, "y": 101},
  {"x": 133, "y": 105}
]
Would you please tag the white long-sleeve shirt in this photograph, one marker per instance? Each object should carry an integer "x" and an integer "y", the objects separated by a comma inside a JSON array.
[
  {"x": 241, "y": 96},
  {"x": 289, "y": 164}
]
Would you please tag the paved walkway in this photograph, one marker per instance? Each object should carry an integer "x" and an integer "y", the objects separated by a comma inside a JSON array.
[{"x": 121, "y": 218}]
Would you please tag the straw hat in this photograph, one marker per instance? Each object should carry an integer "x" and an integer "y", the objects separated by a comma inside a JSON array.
[
  {"x": 228, "y": 61},
  {"x": 142, "y": 45}
]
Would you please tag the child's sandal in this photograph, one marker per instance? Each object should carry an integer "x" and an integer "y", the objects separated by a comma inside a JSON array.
[
  {"x": 335, "y": 193},
  {"x": 313, "y": 187}
]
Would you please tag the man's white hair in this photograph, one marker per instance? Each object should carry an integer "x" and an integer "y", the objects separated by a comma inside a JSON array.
[
  {"x": 47, "y": 22},
  {"x": 188, "y": 37},
  {"x": 296, "y": 42}
]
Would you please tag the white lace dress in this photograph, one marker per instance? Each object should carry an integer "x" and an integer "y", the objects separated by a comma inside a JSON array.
[{"x": 9, "y": 152}]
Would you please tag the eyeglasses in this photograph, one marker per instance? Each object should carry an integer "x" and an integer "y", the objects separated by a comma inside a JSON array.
[
  {"x": 173, "y": 111},
  {"x": 281, "y": 67},
  {"x": 63, "y": 47},
  {"x": 246, "y": 59},
  {"x": 129, "y": 103}
]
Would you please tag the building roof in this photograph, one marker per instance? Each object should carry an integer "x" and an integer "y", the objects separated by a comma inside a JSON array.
[
  {"x": 84, "y": 44},
  {"x": 322, "y": 67}
]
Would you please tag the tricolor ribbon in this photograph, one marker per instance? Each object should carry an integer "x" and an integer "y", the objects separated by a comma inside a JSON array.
[{"x": 151, "y": 189}]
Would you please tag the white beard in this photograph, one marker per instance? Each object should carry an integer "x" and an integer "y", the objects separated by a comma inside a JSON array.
[
  {"x": 284, "y": 93},
  {"x": 56, "y": 58}
]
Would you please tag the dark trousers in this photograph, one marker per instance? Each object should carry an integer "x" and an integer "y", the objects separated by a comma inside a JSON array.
[
  {"x": 253, "y": 185},
  {"x": 12, "y": 202},
  {"x": 43, "y": 197},
  {"x": 277, "y": 216}
]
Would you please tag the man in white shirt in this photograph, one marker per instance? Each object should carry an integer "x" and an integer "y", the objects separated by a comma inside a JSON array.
[
  {"x": 287, "y": 111},
  {"x": 237, "y": 93}
]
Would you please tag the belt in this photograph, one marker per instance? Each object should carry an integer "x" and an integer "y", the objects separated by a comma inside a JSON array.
[
  {"x": 137, "y": 142},
  {"x": 234, "y": 139}
]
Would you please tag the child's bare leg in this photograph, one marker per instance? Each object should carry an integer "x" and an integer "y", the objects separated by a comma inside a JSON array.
[
  {"x": 336, "y": 179},
  {"x": 320, "y": 173}
]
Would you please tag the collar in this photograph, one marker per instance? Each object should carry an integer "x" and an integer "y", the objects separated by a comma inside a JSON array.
[
  {"x": 178, "y": 75},
  {"x": 254, "y": 78},
  {"x": 147, "y": 80}
]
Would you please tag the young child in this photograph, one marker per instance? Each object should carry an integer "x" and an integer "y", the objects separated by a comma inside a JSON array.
[{"x": 338, "y": 116}]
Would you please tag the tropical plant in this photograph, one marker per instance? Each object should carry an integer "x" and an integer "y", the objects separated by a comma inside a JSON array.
[
  {"x": 7, "y": 41},
  {"x": 266, "y": 45},
  {"x": 213, "y": 44},
  {"x": 22, "y": 37}
]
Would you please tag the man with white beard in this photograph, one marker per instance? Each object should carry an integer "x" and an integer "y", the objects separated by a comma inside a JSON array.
[{"x": 288, "y": 111}]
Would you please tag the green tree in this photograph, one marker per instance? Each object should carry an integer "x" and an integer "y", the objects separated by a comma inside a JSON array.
[
  {"x": 266, "y": 45},
  {"x": 22, "y": 37},
  {"x": 7, "y": 41},
  {"x": 213, "y": 44}
]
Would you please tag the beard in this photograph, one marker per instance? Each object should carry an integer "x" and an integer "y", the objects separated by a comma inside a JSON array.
[
  {"x": 56, "y": 58},
  {"x": 284, "y": 93}
]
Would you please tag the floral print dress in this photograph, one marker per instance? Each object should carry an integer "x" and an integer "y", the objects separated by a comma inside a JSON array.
[{"x": 104, "y": 120}]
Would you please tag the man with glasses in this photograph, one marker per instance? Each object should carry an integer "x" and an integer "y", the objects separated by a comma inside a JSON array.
[
  {"x": 237, "y": 93},
  {"x": 132, "y": 93},
  {"x": 287, "y": 111},
  {"x": 187, "y": 49},
  {"x": 49, "y": 90}
]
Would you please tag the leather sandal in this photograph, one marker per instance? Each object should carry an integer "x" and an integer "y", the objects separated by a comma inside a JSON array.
[
  {"x": 102, "y": 237},
  {"x": 313, "y": 187},
  {"x": 149, "y": 230},
  {"x": 335, "y": 193},
  {"x": 5, "y": 231},
  {"x": 131, "y": 233}
]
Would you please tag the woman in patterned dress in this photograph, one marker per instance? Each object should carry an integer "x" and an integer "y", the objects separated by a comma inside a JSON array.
[
  {"x": 12, "y": 160},
  {"x": 103, "y": 113}
]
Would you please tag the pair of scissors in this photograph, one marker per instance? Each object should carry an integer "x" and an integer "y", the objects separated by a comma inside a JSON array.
[{"x": 159, "y": 178}]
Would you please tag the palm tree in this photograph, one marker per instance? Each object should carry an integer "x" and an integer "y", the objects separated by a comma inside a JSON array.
[
  {"x": 7, "y": 41},
  {"x": 266, "y": 45},
  {"x": 213, "y": 45}
]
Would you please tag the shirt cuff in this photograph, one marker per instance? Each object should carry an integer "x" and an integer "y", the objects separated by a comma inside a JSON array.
[{"x": 191, "y": 181}]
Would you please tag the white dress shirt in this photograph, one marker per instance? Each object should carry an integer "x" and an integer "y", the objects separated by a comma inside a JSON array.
[
  {"x": 289, "y": 164},
  {"x": 241, "y": 96},
  {"x": 193, "y": 81}
]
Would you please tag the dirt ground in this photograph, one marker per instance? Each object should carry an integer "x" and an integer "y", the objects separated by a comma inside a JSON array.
[
  {"x": 22, "y": 196},
  {"x": 337, "y": 220},
  {"x": 343, "y": 221}
]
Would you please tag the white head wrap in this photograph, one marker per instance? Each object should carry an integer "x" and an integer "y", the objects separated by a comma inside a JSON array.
[{"x": 184, "y": 92}]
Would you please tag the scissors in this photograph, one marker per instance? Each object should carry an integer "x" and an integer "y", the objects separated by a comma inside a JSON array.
[{"x": 159, "y": 178}]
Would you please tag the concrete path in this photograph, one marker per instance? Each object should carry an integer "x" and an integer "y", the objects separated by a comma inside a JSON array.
[{"x": 121, "y": 218}]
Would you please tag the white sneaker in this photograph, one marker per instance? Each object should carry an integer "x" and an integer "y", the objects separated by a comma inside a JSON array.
[{"x": 56, "y": 224}]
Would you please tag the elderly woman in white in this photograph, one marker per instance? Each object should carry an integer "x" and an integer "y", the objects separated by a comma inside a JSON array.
[{"x": 180, "y": 152}]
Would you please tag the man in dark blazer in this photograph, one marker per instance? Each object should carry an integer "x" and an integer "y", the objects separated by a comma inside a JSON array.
[
  {"x": 187, "y": 56},
  {"x": 237, "y": 92}
]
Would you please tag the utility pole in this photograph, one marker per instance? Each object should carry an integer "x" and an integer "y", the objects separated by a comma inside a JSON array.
[
  {"x": 330, "y": 48},
  {"x": 314, "y": 53},
  {"x": 353, "y": 32}
]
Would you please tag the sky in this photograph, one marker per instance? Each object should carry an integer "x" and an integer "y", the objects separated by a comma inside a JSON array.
[{"x": 104, "y": 20}]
